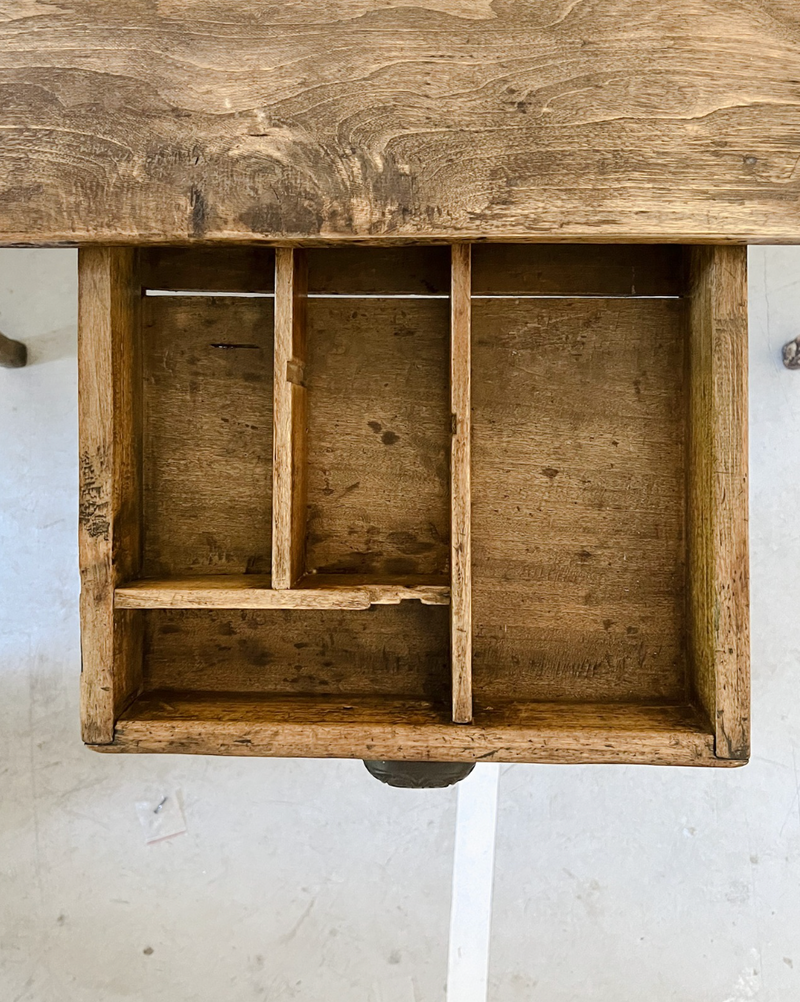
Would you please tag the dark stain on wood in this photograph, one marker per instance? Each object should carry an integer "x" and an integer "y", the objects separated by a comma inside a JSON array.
[
  {"x": 400, "y": 649},
  {"x": 481, "y": 120},
  {"x": 199, "y": 211}
]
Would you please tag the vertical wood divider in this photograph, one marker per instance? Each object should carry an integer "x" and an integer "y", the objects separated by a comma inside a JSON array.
[
  {"x": 460, "y": 482},
  {"x": 289, "y": 418},
  {"x": 110, "y": 530},
  {"x": 718, "y": 592}
]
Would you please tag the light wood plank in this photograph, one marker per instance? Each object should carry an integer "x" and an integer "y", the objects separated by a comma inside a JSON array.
[
  {"x": 460, "y": 483},
  {"x": 252, "y": 591},
  {"x": 110, "y": 541},
  {"x": 361, "y": 727},
  {"x": 446, "y": 119},
  {"x": 718, "y": 606},
  {"x": 289, "y": 492}
]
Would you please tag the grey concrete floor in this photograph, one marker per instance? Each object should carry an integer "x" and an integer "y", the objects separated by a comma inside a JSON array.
[{"x": 308, "y": 880}]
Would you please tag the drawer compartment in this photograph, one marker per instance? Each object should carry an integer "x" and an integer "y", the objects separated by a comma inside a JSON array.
[
  {"x": 420, "y": 502},
  {"x": 378, "y": 437},
  {"x": 389, "y": 651},
  {"x": 579, "y": 499},
  {"x": 207, "y": 435}
]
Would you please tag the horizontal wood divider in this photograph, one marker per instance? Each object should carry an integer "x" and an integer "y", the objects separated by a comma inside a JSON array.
[
  {"x": 289, "y": 472},
  {"x": 364, "y": 727},
  {"x": 460, "y": 482},
  {"x": 254, "y": 591}
]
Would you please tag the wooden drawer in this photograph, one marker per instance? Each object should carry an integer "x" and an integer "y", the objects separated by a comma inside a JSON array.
[{"x": 426, "y": 502}]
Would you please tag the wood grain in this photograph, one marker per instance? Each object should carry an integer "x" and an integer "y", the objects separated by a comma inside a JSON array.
[
  {"x": 460, "y": 482},
  {"x": 667, "y": 120},
  {"x": 388, "y": 650},
  {"x": 208, "y": 269},
  {"x": 289, "y": 462},
  {"x": 254, "y": 591},
  {"x": 352, "y": 271},
  {"x": 208, "y": 436},
  {"x": 413, "y": 729},
  {"x": 577, "y": 270},
  {"x": 378, "y": 437},
  {"x": 718, "y": 600},
  {"x": 578, "y": 500},
  {"x": 344, "y": 270},
  {"x": 109, "y": 537},
  {"x": 497, "y": 269},
  {"x": 598, "y": 471}
]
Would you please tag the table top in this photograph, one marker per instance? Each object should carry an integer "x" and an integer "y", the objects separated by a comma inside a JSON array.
[{"x": 598, "y": 120}]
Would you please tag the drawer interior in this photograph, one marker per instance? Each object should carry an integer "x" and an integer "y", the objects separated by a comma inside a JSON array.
[
  {"x": 449, "y": 487},
  {"x": 398, "y": 650},
  {"x": 378, "y": 436},
  {"x": 207, "y": 435},
  {"x": 578, "y": 499}
]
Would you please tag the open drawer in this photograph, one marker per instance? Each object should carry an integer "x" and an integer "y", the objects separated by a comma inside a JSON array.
[{"x": 422, "y": 502}]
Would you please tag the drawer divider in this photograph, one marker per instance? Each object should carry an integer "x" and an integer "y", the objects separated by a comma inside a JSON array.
[
  {"x": 289, "y": 488},
  {"x": 460, "y": 483}
]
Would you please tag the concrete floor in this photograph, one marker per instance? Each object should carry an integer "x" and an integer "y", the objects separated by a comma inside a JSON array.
[{"x": 308, "y": 880}]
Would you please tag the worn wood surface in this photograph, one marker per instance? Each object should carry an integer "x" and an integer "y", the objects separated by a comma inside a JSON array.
[
  {"x": 289, "y": 457},
  {"x": 13, "y": 354},
  {"x": 418, "y": 271},
  {"x": 255, "y": 591},
  {"x": 578, "y": 499},
  {"x": 109, "y": 534},
  {"x": 577, "y": 270},
  {"x": 539, "y": 120},
  {"x": 718, "y": 609},
  {"x": 389, "y": 650},
  {"x": 208, "y": 269},
  {"x": 343, "y": 270},
  {"x": 460, "y": 482},
  {"x": 208, "y": 435},
  {"x": 378, "y": 437},
  {"x": 582, "y": 483},
  {"x": 497, "y": 269},
  {"x": 217, "y": 724}
]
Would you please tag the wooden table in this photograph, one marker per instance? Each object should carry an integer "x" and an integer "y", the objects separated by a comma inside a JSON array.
[{"x": 436, "y": 447}]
